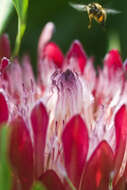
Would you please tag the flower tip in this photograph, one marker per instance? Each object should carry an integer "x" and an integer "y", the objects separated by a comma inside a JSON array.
[
  {"x": 113, "y": 60},
  {"x": 53, "y": 53},
  {"x": 77, "y": 54},
  {"x": 45, "y": 36},
  {"x": 4, "y": 63},
  {"x": 5, "y": 50},
  {"x": 77, "y": 42},
  {"x": 50, "y": 25}
]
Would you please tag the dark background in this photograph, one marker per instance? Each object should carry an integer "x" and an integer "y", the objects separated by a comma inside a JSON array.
[{"x": 71, "y": 24}]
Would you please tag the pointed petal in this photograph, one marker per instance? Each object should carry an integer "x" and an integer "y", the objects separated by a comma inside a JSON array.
[
  {"x": 121, "y": 139},
  {"x": 4, "y": 112},
  {"x": 4, "y": 63},
  {"x": 28, "y": 75},
  {"x": 4, "y": 46},
  {"x": 45, "y": 37},
  {"x": 21, "y": 153},
  {"x": 75, "y": 145},
  {"x": 52, "y": 52},
  {"x": 15, "y": 81},
  {"x": 3, "y": 68},
  {"x": 50, "y": 58},
  {"x": 39, "y": 120},
  {"x": 77, "y": 53},
  {"x": 51, "y": 181},
  {"x": 113, "y": 60},
  {"x": 113, "y": 63},
  {"x": 96, "y": 176}
]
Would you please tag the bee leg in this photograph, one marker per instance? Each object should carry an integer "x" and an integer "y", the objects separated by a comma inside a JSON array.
[{"x": 90, "y": 21}]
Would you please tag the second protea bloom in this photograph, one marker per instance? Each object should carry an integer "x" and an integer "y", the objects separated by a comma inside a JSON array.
[{"x": 68, "y": 127}]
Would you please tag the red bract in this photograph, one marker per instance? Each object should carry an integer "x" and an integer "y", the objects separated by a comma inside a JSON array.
[
  {"x": 4, "y": 112},
  {"x": 121, "y": 139},
  {"x": 53, "y": 53},
  {"x": 113, "y": 63},
  {"x": 51, "y": 181},
  {"x": 75, "y": 145},
  {"x": 76, "y": 52},
  {"x": 4, "y": 47},
  {"x": 4, "y": 64},
  {"x": 68, "y": 128},
  {"x": 21, "y": 152},
  {"x": 27, "y": 153},
  {"x": 113, "y": 60},
  {"x": 98, "y": 170},
  {"x": 39, "y": 120}
]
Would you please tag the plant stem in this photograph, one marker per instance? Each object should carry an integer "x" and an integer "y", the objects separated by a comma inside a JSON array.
[{"x": 21, "y": 30}]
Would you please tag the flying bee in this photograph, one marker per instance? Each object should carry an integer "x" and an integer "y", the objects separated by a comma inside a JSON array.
[{"x": 95, "y": 11}]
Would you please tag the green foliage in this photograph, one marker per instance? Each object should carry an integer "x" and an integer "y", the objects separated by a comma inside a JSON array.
[
  {"x": 21, "y": 7},
  {"x": 5, "y": 10},
  {"x": 38, "y": 186},
  {"x": 5, "y": 176}
]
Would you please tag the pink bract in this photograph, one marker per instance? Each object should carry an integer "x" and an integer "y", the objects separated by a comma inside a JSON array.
[{"x": 69, "y": 124}]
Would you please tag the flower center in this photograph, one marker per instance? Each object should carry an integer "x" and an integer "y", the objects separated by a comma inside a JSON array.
[{"x": 68, "y": 76}]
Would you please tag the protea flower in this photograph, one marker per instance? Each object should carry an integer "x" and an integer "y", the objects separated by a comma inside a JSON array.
[{"x": 70, "y": 124}]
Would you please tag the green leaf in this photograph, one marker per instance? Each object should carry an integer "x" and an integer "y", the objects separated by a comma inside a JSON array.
[
  {"x": 5, "y": 10},
  {"x": 5, "y": 176},
  {"x": 38, "y": 186},
  {"x": 21, "y": 7}
]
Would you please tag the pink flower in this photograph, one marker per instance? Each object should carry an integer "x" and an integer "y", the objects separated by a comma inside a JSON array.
[{"x": 70, "y": 123}]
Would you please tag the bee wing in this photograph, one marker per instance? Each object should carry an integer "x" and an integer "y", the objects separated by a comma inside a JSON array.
[
  {"x": 112, "y": 11},
  {"x": 79, "y": 7}
]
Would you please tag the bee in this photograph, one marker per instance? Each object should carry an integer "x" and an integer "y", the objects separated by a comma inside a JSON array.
[{"x": 95, "y": 11}]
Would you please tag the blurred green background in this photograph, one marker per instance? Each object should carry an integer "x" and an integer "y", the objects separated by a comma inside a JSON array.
[{"x": 71, "y": 24}]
